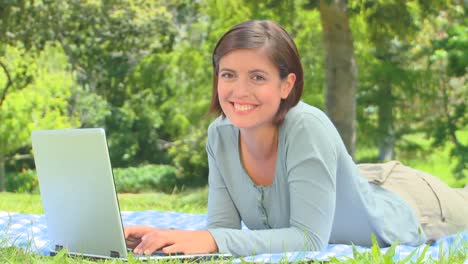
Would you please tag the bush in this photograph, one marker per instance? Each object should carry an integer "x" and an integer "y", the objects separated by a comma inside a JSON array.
[
  {"x": 146, "y": 178},
  {"x": 22, "y": 182},
  {"x": 132, "y": 179},
  {"x": 190, "y": 159}
]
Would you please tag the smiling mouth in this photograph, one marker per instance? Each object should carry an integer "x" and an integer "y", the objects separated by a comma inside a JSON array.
[{"x": 243, "y": 107}]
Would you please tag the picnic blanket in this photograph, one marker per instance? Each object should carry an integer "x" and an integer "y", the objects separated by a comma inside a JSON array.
[{"x": 29, "y": 231}]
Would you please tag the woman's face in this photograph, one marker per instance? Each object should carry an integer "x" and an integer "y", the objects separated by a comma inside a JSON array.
[{"x": 250, "y": 89}]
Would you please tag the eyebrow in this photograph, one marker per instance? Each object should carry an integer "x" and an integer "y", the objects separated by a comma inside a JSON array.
[
  {"x": 226, "y": 69},
  {"x": 258, "y": 71},
  {"x": 250, "y": 72}
]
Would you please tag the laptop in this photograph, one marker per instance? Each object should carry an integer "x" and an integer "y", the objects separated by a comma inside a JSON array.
[{"x": 79, "y": 196}]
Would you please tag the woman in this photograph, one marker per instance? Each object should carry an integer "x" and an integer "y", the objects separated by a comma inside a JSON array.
[{"x": 279, "y": 166}]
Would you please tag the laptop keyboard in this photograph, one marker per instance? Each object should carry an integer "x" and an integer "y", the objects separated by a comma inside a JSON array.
[
  {"x": 156, "y": 253},
  {"x": 194, "y": 258},
  {"x": 160, "y": 253}
]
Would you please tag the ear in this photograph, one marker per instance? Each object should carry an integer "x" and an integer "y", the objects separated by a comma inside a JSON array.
[{"x": 287, "y": 84}]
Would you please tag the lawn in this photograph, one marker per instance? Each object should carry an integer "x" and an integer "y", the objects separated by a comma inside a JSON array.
[{"x": 192, "y": 201}]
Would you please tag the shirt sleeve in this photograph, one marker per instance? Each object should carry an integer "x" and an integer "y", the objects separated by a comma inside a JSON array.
[
  {"x": 310, "y": 158},
  {"x": 221, "y": 209}
]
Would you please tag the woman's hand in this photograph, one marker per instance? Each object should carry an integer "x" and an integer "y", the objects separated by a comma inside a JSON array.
[
  {"x": 146, "y": 240},
  {"x": 133, "y": 234}
]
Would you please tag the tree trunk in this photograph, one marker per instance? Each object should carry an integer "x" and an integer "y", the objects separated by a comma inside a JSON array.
[
  {"x": 2, "y": 173},
  {"x": 385, "y": 123},
  {"x": 341, "y": 70}
]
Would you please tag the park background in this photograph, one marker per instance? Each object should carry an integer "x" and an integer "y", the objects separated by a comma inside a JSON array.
[{"x": 391, "y": 74}]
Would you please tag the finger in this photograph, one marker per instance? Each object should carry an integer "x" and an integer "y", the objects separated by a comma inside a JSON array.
[
  {"x": 132, "y": 231},
  {"x": 150, "y": 243},
  {"x": 127, "y": 231},
  {"x": 173, "y": 249},
  {"x": 132, "y": 242},
  {"x": 137, "y": 232}
]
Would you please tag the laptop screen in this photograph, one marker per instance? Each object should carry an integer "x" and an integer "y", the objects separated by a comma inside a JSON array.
[{"x": 78, "y": 191}]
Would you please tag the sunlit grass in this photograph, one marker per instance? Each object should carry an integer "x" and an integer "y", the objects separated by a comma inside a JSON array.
[
  {"x": 189, "y": 201},
  {"x": 21, "y": 203},
  {"x": 438, "y": 162},
  {"x": 192, "y": 201}
]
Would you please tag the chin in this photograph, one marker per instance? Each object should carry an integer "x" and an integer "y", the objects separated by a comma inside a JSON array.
[
  {"x": 249, "y": 123},
  {"x": 242, "y": 123}
]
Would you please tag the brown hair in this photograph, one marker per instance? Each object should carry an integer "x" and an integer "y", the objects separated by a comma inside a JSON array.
[{"x": 280, "y": 48}]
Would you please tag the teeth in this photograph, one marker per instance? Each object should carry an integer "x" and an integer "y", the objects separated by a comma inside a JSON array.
[{"x": 243, "y": 107}]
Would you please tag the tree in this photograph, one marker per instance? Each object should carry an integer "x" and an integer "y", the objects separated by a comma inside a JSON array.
[
  {"x": 393, "y": 79},
  {"x": 448, "y": 61},
  {"x": 341, "y": 69},
  {"x": 18, "y": 27},
  {"x": 41, "y": 103},
  {"x": 106, "y": 42}
]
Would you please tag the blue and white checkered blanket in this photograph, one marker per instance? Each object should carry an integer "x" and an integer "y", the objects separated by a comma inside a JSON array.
[{"x": 29, "y": 231}]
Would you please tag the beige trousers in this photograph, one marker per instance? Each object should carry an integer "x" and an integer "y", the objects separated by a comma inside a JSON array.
[{"x": 441, "y": 210}]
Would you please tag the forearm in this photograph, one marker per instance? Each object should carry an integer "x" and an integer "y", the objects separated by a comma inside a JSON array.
[{"x": 250, "y": 242}]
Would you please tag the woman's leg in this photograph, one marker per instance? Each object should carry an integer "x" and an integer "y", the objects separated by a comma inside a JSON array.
[{"x": 441, "y": 210}]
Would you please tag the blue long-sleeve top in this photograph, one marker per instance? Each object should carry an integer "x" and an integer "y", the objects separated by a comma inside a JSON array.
[{"x": 317, "y": 196}]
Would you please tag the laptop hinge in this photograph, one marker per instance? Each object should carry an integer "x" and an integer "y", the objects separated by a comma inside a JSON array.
[
  {"x": 114, "y": 254},
  {"x": 56, "y": 250}
]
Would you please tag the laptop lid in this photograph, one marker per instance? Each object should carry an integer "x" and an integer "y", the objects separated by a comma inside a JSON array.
[{"x": 78, "y": 192}]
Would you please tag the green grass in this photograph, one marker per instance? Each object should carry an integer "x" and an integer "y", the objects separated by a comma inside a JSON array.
[
  {"x": 438, "y": 162},
  {"x": 192, "y": 201},
  {"x": 21, "y": 203}
]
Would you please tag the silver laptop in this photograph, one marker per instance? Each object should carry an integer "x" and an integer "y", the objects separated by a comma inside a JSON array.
[{"x": 79, "y": 197}]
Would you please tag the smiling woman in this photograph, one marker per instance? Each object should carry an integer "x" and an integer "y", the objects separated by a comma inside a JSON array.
[{"x": 279, "y": 166}]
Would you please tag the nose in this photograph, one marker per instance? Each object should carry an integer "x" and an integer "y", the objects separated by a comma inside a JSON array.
[{"x": 242, "y": 88}]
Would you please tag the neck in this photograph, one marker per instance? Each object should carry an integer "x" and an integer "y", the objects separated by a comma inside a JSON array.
[{"x": 261, "y": 143}]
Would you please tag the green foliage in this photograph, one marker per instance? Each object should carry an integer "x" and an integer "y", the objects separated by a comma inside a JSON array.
[
  {"x": 142, "y": 70},
  {"x": 42, "y": 103},
  {"x": 91, "y": 108},
  {"x": 134, "y": 131},
  {"x": 23, "y": 182},
  {"x": 145, "y": 178},
  {"x": 128, "y": 180},
  {"x": 104, "y": 40},
  {"x": 447, "y": 56},
  {"x": 412, "y": 76},
  {"x": 189, "y": 157},
  {"x": 375, "y": 255},
  {"x": 20, "y": 25}
]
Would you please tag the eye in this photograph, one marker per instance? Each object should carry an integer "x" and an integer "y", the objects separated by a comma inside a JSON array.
[
  {"x": 226, "y": 75},
  {"x": 258, "y": 78}
]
